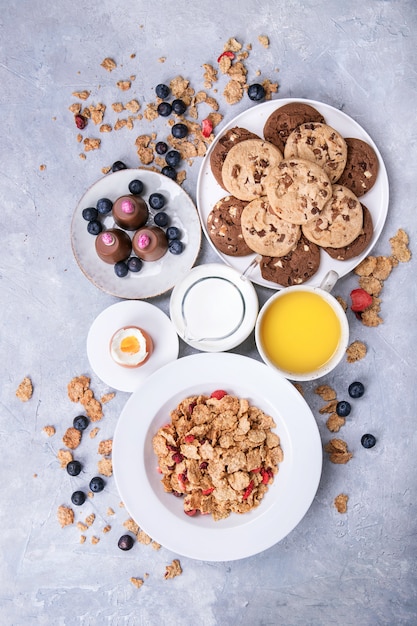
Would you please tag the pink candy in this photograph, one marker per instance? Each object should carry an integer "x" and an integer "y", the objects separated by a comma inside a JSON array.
[
  {"x": 108, "y": 239},
  {"x": 143, "y": 241},
  {"x": 127, "y": 206}
]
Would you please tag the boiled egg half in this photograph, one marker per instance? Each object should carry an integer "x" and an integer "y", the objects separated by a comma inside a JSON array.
[{"x": 131, "y": 346}]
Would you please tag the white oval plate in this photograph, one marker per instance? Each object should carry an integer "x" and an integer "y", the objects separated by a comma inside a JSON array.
[
  {"x": 155, "y": 277},
  {"x": 130, "y": 313},
  {"x": 161, "y": 514},
  {"x": 376, "y": 200},
  {"x": 233, "y": 324}
]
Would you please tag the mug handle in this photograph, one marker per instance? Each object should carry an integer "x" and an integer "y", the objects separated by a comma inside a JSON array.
[{"x": 329, "y": 281}]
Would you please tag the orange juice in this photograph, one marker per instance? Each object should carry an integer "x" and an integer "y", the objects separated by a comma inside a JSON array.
[{"x": 300, "y": 332}]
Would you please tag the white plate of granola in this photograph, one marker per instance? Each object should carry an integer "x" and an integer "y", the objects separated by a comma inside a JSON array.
[
  {"x": 156, "y": 277},
  {"x": 160, "y": 514},
  {"x": 209, "y": 192}
]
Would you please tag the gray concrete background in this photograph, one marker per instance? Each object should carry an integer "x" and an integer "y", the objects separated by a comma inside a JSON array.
[{"x": 358, "y": 568}]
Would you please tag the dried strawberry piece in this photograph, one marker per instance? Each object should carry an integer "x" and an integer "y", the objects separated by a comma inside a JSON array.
[
  {"x": 189, "y": 438},
  {"x": 80, "y": 121},
  {"x": 218, "y": 394},
  {"x": 266, "y": 475},
  {"x": 206, "y": 127},
  {"x": 191, "y": 407},
  {"x": 255, "y": 470},
  {"x": 203, "y": 465},
  {"x": 227, "y": 53},
  {"x": 207, "y": 492},
  {"x": 177, "y": 457},
  {"x": 191, "y": 512},
  {"x": 361, "y": 300},
  {"x": 248, "y": 490}
]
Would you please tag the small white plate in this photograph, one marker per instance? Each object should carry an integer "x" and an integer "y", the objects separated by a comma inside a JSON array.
[
  {"x": 155, "y": 277},
  {"x": 161, "y": 514},
  {"x": 130, "y": 313},
  {"x": 214, "y": 308},
  {"x": 253, "y": 119}
]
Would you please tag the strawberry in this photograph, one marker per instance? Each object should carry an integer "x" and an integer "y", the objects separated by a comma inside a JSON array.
[
  {"x": 361, "y": 300},
  {"x": 218, "y": 394}
]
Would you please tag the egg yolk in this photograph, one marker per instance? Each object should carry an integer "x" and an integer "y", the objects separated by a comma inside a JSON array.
[{"x": 130, "y": 345}]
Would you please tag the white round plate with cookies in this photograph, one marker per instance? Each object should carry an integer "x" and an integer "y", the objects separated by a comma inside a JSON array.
[
  {"x": 209, "y": 192},
  {"x": 156, "y": 277}
]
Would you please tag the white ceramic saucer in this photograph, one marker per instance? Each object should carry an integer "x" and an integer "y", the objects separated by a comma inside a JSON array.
[{"x": 130, "y": 312}]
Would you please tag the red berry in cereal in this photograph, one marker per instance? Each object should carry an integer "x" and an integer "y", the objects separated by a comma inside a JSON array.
[{"x": 218, "y": 394}]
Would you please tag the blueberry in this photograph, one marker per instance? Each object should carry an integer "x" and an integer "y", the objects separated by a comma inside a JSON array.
[
  {"x": 368, "y": 441},
  {"x": 172, "y": 158},
  {"x": 118, "y": 165},
  {"x": 80, "y": 422},
  {"x": 161, "y": 219},
  {"x": 136, "y": 187},
  {"x": 78, "y": 498},
  {"x": 125, "y": 542},
  {"x": 94, "y": 227},
  {"x": 179, "y": 107},
  {"x": 134, "y": 264},
  {"x": 74, "y": 468},
  {"x": 175, "y": 246},
  {"x": 90, "y": 213},
  {"x": 343, "y": 408},
  {"x": 179, "y": 131},
  {"x": 121, "y": 269},
  {"x": 104, "y": 205},
  {"x": 173, "y": 232},
  {"x": 162, "y": 91},
  {"x": 97, "y": 484},
  {"x": 156, "y": 201},
  {"x": 356, "y": 390},
  {"x": 164, "y": 109},
  {"x": 161, "y": 147},
  {"x": 169, "y": 172},
  {"x": 256, "y": 92}
]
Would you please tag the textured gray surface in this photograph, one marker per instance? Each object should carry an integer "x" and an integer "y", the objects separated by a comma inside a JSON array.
[{"x": 358, "y": 568}]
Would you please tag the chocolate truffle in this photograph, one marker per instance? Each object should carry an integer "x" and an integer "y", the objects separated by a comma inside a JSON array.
[
  {"x": 113, "y": 245},
  {"x": 130, "y": 212},
  {"x": 150, "y": 244}
]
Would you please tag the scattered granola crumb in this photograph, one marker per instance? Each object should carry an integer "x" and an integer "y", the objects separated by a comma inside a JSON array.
[
  {"x": 91, "y": 144},
  {"x": 143, "y": 538},
  {"x": 25, "y": 390},
  {"x": 124, "y": 85},
  {"x": 264, "y": 41},
  {"x": 89, "y": 520},
  {"x": 107, "y": 529},
  {"x": 325, "y": 392},
  {"x": 108, "y": 64},
  {"x": 399, "y": 246},
  {"x": 137, "y": 582},
  {"x": 131, "y": 525},
  {"x": 335, "y": 422},
  {"x": 356, "y": 351},
  {"x": 95, "y": 540},
  {"x": 81, "y": 95},
  {"x": 342, "y": 303},
  {"x": 233, "y": 92},
  {"x": 338, "y": 451},
  {"x": 340, "y": 502},
  {"x": 162, "y": 59},
  {"x": 110, "y": 511},
  {"x": 299, "y": 388},
  {"x": 83, "y": 538},
  {"x": 173, "y": 570},
  {"x": 72, "y": 438},
  {"x": 42, "y": 167},
  {"x": 105, "y": 447},
  {"x": 49, "y": 430},
  {"x": 82, "y": 527},
  {"x": 155, "y": 545},
  {"x": 64, "y": 457},
  {"x": 94, "y": 432},
  {"x": 105, "y": 467},
  {"x": 65, "y": 516},
  {"x": 329, "y": 407}
]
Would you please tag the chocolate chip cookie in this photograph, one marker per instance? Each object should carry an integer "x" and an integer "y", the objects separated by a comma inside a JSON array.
[
  {"x": 264, "y": 232},
  {"x": 294, "y": 268},
  {"x": 339, "y": 223},
  {"x": 285, "y": 119},
  {"x": 297, "y": 190},
  {"x": 225, "y": 229},
  {"x": 359, "y": 244},
  {"x": 246, "y": 166},
  {"x": 361, "y": 168},
  {"x": 230, "y": 138},
  {"x": 319, "y": 143}
]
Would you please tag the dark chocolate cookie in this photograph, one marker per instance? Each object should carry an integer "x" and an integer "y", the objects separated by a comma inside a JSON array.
[
  {"x": 359, "y": 244},
  {"x": 284, "y": 120},
  {"x": 294, "y": 268},
  {"x": 224, "y": 227},
  {"x": 222, "y": 147},
  {"x": 361, "y": 168}
]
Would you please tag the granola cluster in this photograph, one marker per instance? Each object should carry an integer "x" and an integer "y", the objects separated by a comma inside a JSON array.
[{"x": 219, "y": 452}]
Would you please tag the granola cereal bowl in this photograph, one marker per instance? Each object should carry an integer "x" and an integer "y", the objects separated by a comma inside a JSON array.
[{"x": 161, "y": 514}]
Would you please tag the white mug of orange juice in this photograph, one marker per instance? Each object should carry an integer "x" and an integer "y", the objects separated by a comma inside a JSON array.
[{"x": 302, "y": 332}]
